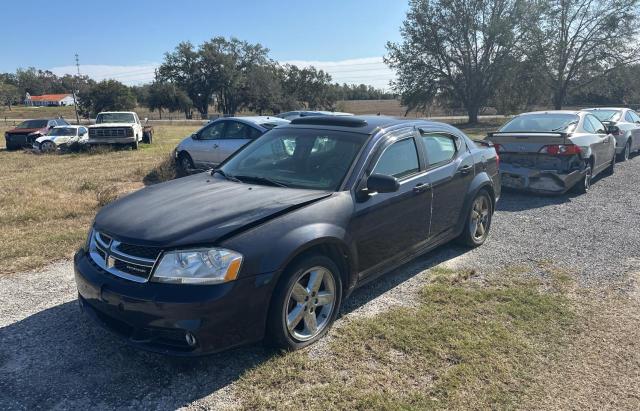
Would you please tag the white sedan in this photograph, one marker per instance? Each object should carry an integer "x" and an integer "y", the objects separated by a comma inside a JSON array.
[{"x": 62, "y": 137}]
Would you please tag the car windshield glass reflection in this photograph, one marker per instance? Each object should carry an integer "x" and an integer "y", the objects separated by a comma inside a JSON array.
[
  {"x": 541, "y": 123},
  {"x": 310, "y": 159}
]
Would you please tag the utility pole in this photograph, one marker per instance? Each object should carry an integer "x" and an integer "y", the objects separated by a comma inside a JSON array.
[{"x": 75, "y": 100}]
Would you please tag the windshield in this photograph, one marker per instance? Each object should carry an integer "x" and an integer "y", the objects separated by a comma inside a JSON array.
[
  {"x": 606, "y": 115},
  {"x": 65, "y": 131},
  {"x": 115, "y": 118},
  {"x": 541, "y": 123},
  {"x": 33, "y": 124},
  {"x": 297, "y": 158}
]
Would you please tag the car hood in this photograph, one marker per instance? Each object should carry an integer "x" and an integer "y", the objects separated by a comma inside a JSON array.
[
  {"x": 200, "y": 209},
  {"x": 24, "y": 130},
  {"x": 112, "y": 125},
  {"x": 55, "y": 139}
]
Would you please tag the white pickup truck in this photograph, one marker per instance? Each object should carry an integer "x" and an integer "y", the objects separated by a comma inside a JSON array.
[{"x": 119, "y": 128}]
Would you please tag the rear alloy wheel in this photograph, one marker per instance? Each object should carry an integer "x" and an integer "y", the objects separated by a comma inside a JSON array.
[
  {"x": 47, "y": 146},
  {"x": 624, "y": 156},
  {"x": 478, "y": 221},
  {"x": 584, "y": 186},
  {"x": 305, "y": 306}
]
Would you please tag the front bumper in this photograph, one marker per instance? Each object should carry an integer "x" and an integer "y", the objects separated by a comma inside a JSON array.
[
  {"x": 538, "y": 181},
  {"x": 157, "y": 317},
  {"x": 111, "y": 140}
]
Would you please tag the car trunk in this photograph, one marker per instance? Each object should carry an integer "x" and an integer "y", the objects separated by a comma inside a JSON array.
[{"x": 523, "y": 150}]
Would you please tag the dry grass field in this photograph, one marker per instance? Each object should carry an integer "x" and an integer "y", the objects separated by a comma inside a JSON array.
[{"x": 48, "y": 201}]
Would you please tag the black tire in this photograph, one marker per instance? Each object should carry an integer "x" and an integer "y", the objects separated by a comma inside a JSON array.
[
  {"x": 609, "y": 171},
  {"x": 134, "y": 145},
  {"x": 472, "y": 226},
  {"x": 584, "y": 185},
  {"x": 185, "y": 162},
  {"x": 624, "y": 156},
  {"x": 147, "y": 137},
  {"x": 284, "y": 304}
]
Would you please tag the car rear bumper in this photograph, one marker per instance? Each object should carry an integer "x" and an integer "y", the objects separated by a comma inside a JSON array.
[
  {"x": 157, "y": 317},
  {"x": 21, "y": 140},
  {"x": 538, "y": 181},
  {"x": 112, "y": 141}
]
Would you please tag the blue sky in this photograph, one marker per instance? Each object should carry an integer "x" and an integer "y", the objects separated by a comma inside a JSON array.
[{"x": 126, "y": 40}]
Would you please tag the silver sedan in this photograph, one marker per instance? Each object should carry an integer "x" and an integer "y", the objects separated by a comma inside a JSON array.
[{"x": 553, "y": 151}]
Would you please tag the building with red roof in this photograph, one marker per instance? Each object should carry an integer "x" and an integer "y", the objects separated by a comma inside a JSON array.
[{"x": 49, "y": 100}]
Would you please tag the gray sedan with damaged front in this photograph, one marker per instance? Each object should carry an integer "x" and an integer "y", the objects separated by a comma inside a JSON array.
[{"x": 552, "y": 152}]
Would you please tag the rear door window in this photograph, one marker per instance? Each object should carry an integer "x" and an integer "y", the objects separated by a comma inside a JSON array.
[
  {"x": 588, "y": 125},
  {"x": 237, "y": 130},
  {"x": 634, "y": 116},
  {"x": 399, "y": 160},
  {"x": 596, "y": 124},
  {"x": 439, "y": 148}
]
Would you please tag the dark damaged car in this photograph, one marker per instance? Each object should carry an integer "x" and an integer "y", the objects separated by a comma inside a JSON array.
[
  {"x": 25, "y": 134},
  {"x": 270, "y": 243},
  {"x": 554, "y": 151}
]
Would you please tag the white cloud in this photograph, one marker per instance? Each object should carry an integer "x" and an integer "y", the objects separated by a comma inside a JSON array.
[
  {"x": 126, "y": 74},
  {"x": 369, "y": 70}
]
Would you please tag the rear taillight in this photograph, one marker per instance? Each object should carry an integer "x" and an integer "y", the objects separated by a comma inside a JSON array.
[{"x": 560, "y": 150}]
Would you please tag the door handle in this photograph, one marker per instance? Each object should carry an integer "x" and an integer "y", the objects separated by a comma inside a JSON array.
[
  {"x": 465, "y": 169},
  {"x": 421, "y": 187}
]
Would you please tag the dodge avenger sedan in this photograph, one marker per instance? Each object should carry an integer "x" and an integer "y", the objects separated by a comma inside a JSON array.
[{"x": 270, "y": 243}]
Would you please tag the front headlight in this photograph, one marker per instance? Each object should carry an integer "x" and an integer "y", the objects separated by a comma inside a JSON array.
[{"x": 198, "y": 266}]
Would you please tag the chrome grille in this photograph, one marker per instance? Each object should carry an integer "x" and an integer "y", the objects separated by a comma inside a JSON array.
[
  {"x": 111, "y": 132},
  {"x": 111, "y": 255}
]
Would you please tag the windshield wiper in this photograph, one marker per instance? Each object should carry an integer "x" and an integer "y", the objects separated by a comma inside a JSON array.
[
  {"x": 225, "y": 175},
  {"x": 263, "y": 180}
]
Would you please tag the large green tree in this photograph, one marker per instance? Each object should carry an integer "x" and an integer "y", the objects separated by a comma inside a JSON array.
[
  {"x": 458, "y": 48},
  {"x": 216, "y": 71},
  {"x": 582, "y": 40},
  {"x": 106, "y": 95}
]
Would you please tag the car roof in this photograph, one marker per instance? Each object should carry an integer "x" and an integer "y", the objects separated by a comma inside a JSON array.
[
  {"x": 257, "y": 120},
  {"x": 363, "y": 124},
  {"x": 575, "y": 112},
  {"x": 69, "y": 126},
  {"x": 605, "y": 108}
]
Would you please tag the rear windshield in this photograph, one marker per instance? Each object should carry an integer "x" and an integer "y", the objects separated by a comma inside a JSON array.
[
  {"x": 606, "y": 115},
  {"x": 541, "y": 123},
  {"x": 33, "y": 124},
  {"x": 115, "y": 118}
]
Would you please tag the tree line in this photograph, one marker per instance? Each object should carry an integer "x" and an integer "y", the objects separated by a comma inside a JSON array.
[
  {"x": 514, "y": 54},
  {"x": 229, "y": 75}
]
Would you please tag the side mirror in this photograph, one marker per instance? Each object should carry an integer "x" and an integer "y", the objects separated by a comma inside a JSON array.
[
  {"x": 195, "y": 136},
  {"x": 612, "y": 129},
  {"x": 379, "y": 183}
]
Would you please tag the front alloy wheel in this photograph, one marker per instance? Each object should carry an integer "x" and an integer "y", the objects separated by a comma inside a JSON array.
[
  {"x": 305, "y": 303},
  {"x": 310, "y": 304},
  {"x": 47, "y": 146}
]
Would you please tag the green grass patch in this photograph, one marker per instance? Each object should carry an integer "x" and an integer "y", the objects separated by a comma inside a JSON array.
[{"x": 466, "y": 344}]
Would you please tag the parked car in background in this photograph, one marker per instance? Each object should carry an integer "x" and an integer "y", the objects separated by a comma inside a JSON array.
[
  {"x": 553, "y": 151},
  {"x": 25, "y": 134},
  {"x": 290, "y": 115},
  {"x": 62, "y": 137},
  {"x": 624, "y": 124},
  {"x": 220, "y": 138},
  {"x": 274, "y": 240},
  {"x": 119, "y": 128}
]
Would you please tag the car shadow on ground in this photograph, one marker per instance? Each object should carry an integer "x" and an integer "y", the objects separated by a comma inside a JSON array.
[{"x": 58, "y": 358}]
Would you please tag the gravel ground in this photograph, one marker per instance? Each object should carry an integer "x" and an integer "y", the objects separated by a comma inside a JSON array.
[{"x": 53, "y": 357}]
